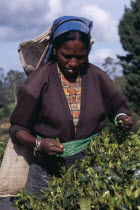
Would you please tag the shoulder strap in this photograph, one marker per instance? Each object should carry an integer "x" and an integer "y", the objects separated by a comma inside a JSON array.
[{"x": 32, "y": 52}]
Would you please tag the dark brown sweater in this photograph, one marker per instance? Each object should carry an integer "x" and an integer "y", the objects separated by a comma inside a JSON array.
[{"x": 43, "y": 108}]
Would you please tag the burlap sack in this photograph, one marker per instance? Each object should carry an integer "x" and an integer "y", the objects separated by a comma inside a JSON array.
[
  {"x": 14, "y": 168},
  {"x": 32, "y": 52}
]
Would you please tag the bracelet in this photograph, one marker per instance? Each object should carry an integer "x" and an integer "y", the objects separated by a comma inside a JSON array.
[
  {"x": 115, "y": 120},
  {"x": 38, "y": 143}
]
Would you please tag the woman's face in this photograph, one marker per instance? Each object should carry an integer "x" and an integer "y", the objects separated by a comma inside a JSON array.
[{"x": 71, "y": 57}]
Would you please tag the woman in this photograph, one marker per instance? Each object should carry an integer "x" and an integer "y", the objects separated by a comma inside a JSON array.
[{"x": 66, "y": 98}]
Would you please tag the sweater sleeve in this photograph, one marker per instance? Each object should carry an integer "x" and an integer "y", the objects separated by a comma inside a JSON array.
[
  {"x": 29, "y": 100},
  {"x": 14, "y": 129}
]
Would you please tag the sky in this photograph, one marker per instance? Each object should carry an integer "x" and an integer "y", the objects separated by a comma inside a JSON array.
[{"x": 24, "y": 20}]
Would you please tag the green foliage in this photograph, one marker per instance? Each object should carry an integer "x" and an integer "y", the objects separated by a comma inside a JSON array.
[
  {"x": 13, "y": 80},
  {"x": 2, "y": 148},
  {"x": 111, "y": 66},
  {"x": 11, "y": 107},
  {"x": 3, "y": 99},
  {"x": 129, "y": 31},
  {"x": 132, "y": 91},
  {"x": 9, "y": 86},
  {"x": 136, "y": 118},
  {"x": 6, "y": 111},
  {"x": 120, "y": 83},
  {"x": 109, "y": 178}
]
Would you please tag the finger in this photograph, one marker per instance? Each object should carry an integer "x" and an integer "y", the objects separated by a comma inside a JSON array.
[
  {"x": 49, "y": 146},
  {"x": 53, "y": 153},
  {"x": 122, "y": 125},
  {"x": 125, "y": 126},
  {"x": 129, "y": 119},
  {"x": 125, "y": 120},
  {"x": 56, "y": 144},
  {"x": 122, "y": 117},
  {"x": 53, "y": 150},
  {"x": 129, "y": 123},
  {"x": 56, "y": 149}
]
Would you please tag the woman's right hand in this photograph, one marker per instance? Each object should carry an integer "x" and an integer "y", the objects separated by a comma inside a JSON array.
[
  {"x": 48, "y": 145},
  {"x": 51, "y": 146}
]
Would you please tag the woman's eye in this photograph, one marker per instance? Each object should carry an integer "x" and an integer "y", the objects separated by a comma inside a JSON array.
[
  {"x": 80, "y": 57},
  {"x": 67, "y": 56}
]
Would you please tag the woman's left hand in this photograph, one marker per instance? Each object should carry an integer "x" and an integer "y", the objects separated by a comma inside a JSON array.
[{"x": 125, "y": 122}]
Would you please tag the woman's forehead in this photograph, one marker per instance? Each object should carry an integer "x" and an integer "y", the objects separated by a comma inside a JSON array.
[{"x": 73, "y": 45}]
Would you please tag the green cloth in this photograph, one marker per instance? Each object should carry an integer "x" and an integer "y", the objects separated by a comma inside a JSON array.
[{"x": 73, "y": 147}]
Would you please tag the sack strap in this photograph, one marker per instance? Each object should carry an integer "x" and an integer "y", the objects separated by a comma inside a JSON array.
[{"x": 32, "y": 52}]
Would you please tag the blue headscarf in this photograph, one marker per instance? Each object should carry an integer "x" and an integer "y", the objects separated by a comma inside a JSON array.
[{"x": 68, "y": 23}]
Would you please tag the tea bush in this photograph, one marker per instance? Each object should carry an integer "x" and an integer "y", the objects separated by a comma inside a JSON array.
[{"x": 109, "y": 178}]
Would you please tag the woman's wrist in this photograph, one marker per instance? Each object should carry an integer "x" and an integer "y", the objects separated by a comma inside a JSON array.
[
  {"x": 38, "y": 144},
  {"x": 115, "y": 120}
]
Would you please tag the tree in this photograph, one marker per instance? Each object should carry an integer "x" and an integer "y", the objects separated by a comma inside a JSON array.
[
  {"x": 13, "y": 80},
  {"x": 9, "y": 86},
  {"x": 2, "y": 89},
  {"x": 129, "y": 31},
  {"x": 120, "y": 83},
  {"x": 1, "y": 74},
  {"x": 111, "y": 67}
]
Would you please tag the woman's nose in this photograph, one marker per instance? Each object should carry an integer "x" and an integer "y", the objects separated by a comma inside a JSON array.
[{"x": 73, "y": 63}]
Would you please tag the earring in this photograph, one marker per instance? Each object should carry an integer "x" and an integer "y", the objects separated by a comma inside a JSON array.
[{"x": 54, "y": 52}]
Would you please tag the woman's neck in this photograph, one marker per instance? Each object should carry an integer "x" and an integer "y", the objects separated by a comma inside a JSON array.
[
  {"x": 72, "y": 79},
  {"x": 72, "y": 82}
]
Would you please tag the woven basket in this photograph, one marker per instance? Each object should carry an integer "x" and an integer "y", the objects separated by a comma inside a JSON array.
[{"x": 32, "y": 52}]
